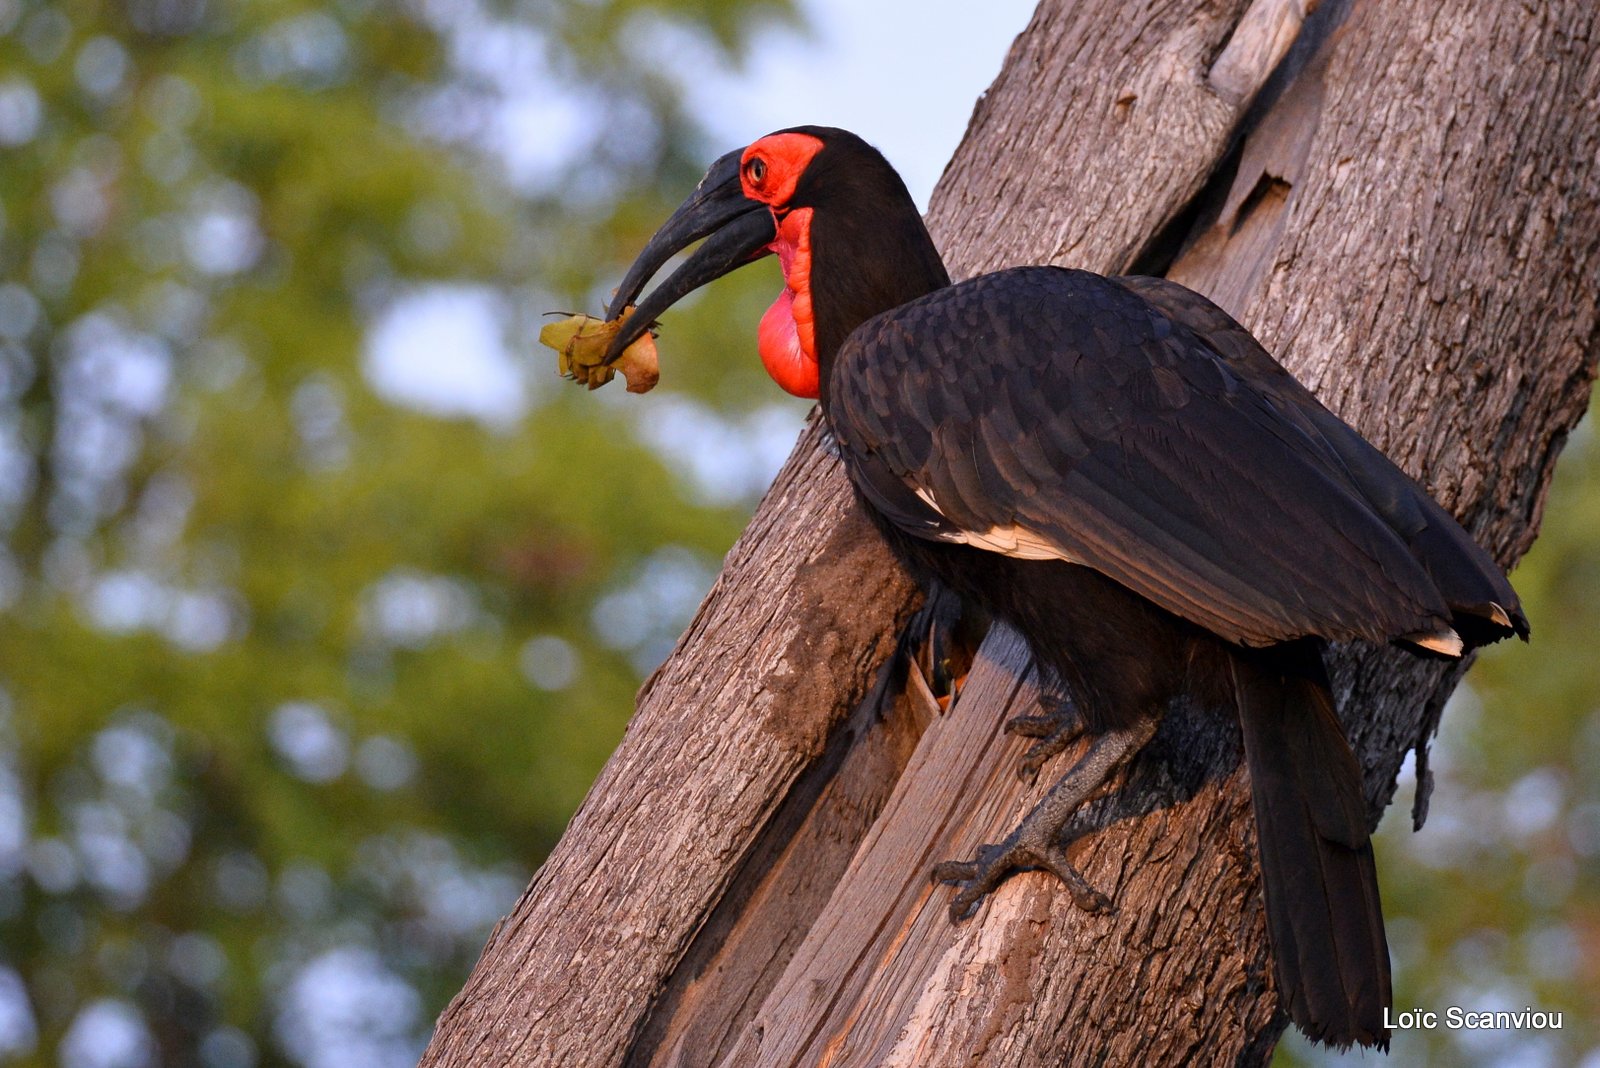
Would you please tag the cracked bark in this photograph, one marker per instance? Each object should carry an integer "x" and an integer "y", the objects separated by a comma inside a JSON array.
[{"x": 1407, "y": 213}]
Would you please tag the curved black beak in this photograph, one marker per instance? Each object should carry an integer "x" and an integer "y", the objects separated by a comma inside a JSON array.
[{"x": 740, "y": 231}]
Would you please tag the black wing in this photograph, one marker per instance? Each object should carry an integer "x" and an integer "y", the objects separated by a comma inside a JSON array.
[
  {"x": 1043, "y": 412},
  {"x": 1473, "y": 585}
]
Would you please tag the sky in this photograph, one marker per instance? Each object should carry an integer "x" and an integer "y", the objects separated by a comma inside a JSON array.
[{"x": 903, "y": 75}]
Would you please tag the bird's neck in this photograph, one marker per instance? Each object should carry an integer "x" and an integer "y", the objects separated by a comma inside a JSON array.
[{"x": 841, "y": 269}]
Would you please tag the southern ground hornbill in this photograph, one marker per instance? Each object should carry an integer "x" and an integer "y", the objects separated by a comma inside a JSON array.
[{"x": 1120, "y": 471}]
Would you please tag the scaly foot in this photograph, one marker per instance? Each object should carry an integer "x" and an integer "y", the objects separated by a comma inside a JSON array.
[
  {"x": 1039, "y": 841},
  {"x": 1057, "y": 728},
  {"x": 995, "y": 864}
]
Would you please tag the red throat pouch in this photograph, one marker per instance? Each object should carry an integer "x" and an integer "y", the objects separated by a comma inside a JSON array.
[{"x": 786, "y": 338}]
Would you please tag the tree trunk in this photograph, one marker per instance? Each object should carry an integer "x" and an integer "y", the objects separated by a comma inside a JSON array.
[{"x": 1400, "y": 199}]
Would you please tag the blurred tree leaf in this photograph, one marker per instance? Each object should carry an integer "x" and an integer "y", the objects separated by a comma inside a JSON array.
[{"x": 310, "y": 640}]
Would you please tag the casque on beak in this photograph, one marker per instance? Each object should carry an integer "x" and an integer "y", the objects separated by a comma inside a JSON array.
[{"x": 740, "y": 230}]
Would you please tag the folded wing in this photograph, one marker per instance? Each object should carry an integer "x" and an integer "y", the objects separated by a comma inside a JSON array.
[{"x": 1121, "y": 425}]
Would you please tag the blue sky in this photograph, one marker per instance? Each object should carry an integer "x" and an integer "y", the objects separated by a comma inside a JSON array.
[{"x": 903, "y": 75}]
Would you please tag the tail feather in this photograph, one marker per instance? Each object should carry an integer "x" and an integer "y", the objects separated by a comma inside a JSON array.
[{"x": 1323, "y": 914}]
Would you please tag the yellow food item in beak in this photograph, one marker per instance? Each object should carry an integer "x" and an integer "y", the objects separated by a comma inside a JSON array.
[{"x": 581, "y": 341}]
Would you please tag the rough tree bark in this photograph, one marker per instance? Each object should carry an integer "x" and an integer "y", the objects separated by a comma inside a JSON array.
[{"x": 1401, "y": 200}]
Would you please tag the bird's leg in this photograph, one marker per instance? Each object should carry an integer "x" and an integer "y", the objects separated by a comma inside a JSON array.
[
  {"x": 1058, "y": 727},
  {"x": 1040, "y": 840}
]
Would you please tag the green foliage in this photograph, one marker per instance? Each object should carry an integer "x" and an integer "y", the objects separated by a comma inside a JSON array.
[{"x": 299, "y": 683}]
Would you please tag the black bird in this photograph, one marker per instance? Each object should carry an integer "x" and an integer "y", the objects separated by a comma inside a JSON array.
[{"x": 1120, "y": 471}]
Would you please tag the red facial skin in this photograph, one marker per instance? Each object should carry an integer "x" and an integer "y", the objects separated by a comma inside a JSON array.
[
  {"x": 786, "y": 338},
  {"x": 769, "y": 172}
]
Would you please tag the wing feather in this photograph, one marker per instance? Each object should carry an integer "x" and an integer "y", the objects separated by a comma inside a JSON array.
[{"x": 1047, "y": 407}]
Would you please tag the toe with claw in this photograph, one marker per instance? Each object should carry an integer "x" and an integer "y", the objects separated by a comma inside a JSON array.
[
  {"x": 995, "y": 864},
  {"x": 1057, "y": 728},
  {"x": 1040, "y": 841}
]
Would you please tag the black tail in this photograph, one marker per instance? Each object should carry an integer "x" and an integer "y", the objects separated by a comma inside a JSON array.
[{"x": 1323, "y": 915}]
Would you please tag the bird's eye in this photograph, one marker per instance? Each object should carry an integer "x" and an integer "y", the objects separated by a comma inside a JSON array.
[{"x": 757, "y": 170}]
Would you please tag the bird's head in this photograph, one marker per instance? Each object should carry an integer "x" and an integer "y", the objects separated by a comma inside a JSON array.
[{"x": 841, "y": 223}]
